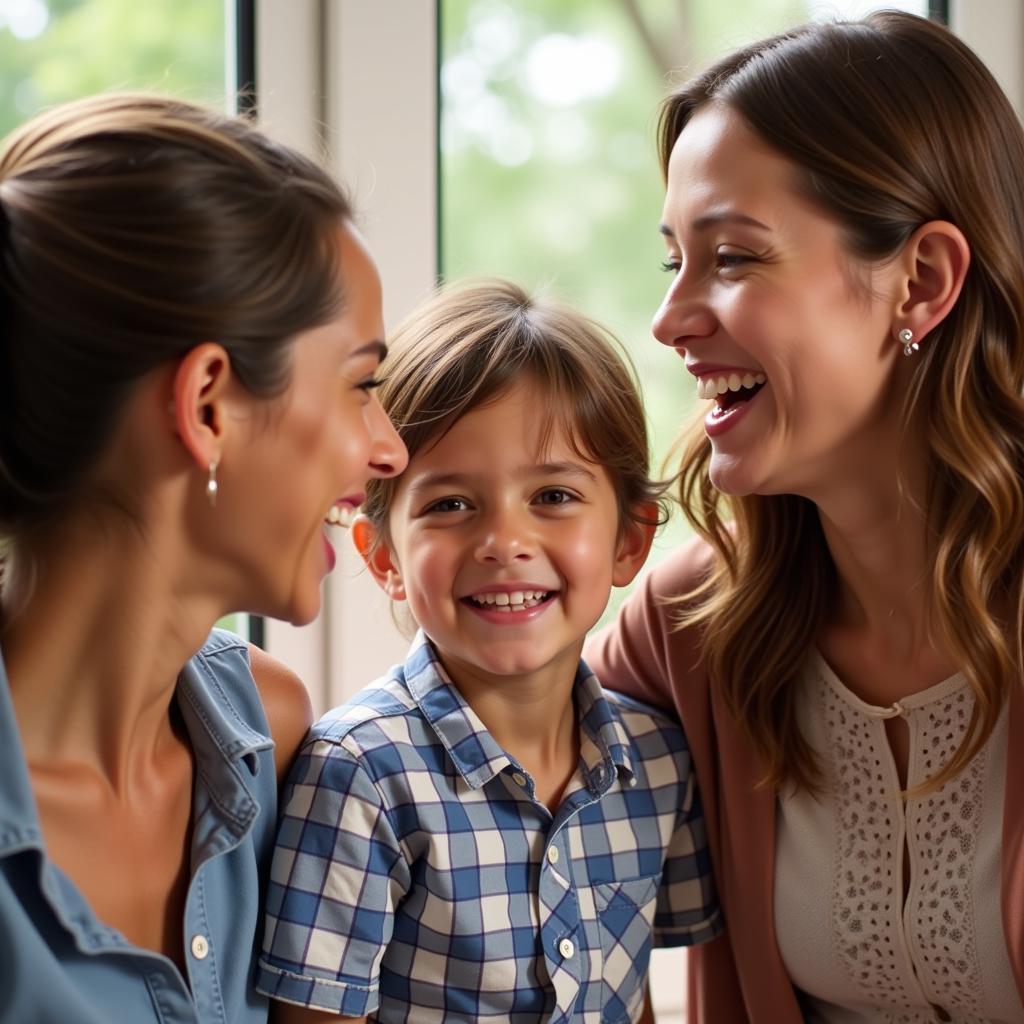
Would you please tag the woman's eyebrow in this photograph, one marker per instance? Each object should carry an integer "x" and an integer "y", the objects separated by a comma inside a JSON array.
[
  {"x": 377, "y": 348},
  {"x": 718, "y": 217}
]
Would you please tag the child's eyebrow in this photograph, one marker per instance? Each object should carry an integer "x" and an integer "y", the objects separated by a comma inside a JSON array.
[
  {"x": 533, "y": 469},
  {"x": 560, "y": 469}
]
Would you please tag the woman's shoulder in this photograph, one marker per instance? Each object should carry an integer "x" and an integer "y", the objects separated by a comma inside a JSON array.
[
  {"x": 263, "y": 692},
  {"x": 682, "y": 572},
  {"x": 286, "y": 704},
  {"x": 648, "y": 652}
]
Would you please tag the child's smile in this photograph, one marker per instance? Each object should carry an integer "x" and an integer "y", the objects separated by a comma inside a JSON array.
[{"x": 505, "y": 605}]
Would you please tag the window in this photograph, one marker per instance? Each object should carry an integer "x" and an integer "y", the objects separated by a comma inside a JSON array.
[{"x": 57, "y": 50}]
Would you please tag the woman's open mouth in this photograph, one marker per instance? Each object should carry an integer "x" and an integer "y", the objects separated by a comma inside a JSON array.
[{"x": 729, "y": 389}]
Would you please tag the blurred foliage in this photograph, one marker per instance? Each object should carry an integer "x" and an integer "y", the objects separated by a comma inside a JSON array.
[
  {"x": 57, "y": 50},
  {"x": 566, "y": 193}
]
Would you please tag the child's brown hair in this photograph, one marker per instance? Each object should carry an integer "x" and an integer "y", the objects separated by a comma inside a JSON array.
[{"x": 467, "y": 345}]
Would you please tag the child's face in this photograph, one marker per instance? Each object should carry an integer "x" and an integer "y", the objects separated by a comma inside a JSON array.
[{"x": 505, "y": 552}]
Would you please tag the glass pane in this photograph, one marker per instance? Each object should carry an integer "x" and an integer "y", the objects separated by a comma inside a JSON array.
[
  {"x": 549, "y": 174},
  {"x": 57, "y": 50}
]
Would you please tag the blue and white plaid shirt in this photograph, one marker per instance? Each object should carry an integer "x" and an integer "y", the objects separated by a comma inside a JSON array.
[{"x": 416, "y": 877}]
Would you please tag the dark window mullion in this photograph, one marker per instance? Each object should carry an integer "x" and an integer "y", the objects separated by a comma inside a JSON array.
[{"x": 245, "y": 98}]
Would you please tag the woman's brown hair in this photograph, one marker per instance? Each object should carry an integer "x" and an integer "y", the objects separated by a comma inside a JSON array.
[
  {"x": 890, "y": 122},
  {"x": 468, "y": 345},
  {"x": 132, "y": 228}
]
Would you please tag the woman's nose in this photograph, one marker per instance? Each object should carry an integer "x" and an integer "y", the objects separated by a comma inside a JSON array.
[
  {"x": 683, "y": 315},
  {"x": 388, "y": 455}
]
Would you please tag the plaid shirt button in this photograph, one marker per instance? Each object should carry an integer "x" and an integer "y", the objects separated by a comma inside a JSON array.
[
  {"x": 519, "y": 779},
  {"x": 566, "y": 948},
  {"x": 552, "y": 854}
]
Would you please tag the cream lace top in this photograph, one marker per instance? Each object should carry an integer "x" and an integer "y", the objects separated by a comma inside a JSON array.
[{"x": 857, "y": 951}]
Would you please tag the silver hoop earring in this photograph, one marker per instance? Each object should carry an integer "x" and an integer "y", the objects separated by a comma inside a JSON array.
[
  {"x": 211, "y": 484},
  {"x": 906, "y": 339}
]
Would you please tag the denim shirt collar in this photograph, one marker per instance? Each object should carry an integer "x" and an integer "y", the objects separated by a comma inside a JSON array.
[
  {"x": 477, "y": 755},
  {"x": 220, "y": 739},
  {"x": 19, "y": 820}
]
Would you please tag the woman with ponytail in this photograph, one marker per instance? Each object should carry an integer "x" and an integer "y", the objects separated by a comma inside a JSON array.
[{"x": 190, "y": 329}]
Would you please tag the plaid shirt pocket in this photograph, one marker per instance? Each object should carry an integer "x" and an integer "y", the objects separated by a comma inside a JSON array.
[{"x": 626, "y": 913}]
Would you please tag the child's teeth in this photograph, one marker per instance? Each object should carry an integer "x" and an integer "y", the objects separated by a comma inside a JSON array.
[{"x": 515, "y": 600}]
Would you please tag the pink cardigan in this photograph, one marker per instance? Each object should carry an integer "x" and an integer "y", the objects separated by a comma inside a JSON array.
[{"x": 739, "y": 978}]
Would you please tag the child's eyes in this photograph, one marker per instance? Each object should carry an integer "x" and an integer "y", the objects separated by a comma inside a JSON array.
[
  {"x": 448, "y": 505},
  {"x": 555, "y": 496}
]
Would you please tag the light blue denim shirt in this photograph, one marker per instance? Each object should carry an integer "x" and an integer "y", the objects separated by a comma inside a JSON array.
[{"x": 59, "y": 962}]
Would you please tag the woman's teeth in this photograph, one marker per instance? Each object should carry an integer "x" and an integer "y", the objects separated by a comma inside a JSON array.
[
  {"x": 710, "y": 387},
  {"x": 341, "y": 515},
  {"x": 516, "y": 601}
]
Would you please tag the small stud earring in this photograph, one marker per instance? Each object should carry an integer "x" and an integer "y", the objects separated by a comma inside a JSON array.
[
  {"x": 211, "y": 484},
  {"x": 906, "y": 339}
]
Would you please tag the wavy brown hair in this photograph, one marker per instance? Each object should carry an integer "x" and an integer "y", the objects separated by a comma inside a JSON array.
[{"x": 891, "y": 122}]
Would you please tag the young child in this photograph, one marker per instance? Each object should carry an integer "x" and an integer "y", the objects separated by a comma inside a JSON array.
[{"x": 486, "y": 834}]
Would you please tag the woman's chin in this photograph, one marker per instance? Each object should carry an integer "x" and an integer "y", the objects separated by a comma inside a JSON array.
[
  {"x": 734, "y": 476},
  {"x": 302, "y": 614}
]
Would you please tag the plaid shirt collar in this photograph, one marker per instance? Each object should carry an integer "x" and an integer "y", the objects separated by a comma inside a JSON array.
[{"x": 606, "y": 749}]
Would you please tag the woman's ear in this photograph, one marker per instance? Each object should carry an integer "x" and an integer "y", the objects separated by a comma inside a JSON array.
[
  {"x": 933, "y": 264},
  {"x": 634, "y": 543},
  {"x": 378, "y": 557},
  {"x": 199, "y": 402}
]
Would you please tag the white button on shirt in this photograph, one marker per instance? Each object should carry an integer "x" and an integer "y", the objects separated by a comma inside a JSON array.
[
  {"x": 552, "y": 854},
  {"x": 200, "y": 947},
  {"x": 566, "y": 948},
  {"x": 518, "y": 778}
]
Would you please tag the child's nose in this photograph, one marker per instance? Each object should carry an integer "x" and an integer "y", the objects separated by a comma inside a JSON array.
[{"x": 505, "y": 538}]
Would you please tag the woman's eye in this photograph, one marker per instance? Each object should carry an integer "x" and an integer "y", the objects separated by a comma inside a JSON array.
[
  {"x": 555, "y": 496},
  {"x": 671, "y": 266},
  {"x": 726, "y": 259},
  {"x": 370, "y": 384},
  {"x": 448, "y": 505}
]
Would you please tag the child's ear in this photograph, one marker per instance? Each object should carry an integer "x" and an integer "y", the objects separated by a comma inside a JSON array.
[
  {"x": 635, "y": 543},
  {"x": 378, "y": 558}
]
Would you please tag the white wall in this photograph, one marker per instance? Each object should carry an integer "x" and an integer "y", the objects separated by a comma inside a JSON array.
[{"x": 354, "y": 81}]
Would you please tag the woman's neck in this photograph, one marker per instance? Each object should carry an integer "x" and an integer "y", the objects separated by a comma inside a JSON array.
[
  {"x": 882, "y": 633},
  {"x": 93, "y": 642}
]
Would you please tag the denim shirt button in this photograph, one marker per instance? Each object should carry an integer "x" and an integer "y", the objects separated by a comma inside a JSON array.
[{"x": 200, "y": 947}]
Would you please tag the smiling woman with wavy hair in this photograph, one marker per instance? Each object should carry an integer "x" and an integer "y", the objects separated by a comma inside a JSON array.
[{"x": 844, "y": 219}]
